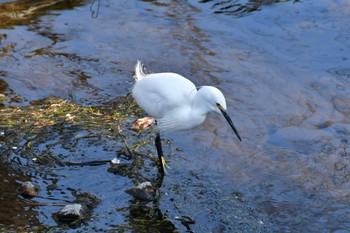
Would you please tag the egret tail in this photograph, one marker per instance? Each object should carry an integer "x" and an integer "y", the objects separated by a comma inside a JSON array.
[{"x": 139, "y": 74}]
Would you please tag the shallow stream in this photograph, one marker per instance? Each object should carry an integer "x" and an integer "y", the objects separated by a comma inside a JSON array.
[{"x": 285, "y": 71}]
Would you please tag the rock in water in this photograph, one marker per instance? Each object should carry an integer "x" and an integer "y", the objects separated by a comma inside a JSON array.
[
  {"x": 144, "y": 192},
  {"x": 28, "y": 189},
  {"x": 71, "y": 213}
]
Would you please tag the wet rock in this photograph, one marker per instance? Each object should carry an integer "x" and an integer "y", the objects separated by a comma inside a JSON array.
[
  {"x": 28, "y": 189},
  {"x": 144, "y": 192},
  {"x": 72, "y": 213}
]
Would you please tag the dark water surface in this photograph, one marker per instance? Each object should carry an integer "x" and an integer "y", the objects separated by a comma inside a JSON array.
[{"x": 284, "y": 69}]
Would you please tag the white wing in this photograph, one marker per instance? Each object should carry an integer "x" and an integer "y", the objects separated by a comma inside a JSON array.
[{"x": 161, "y": 93}]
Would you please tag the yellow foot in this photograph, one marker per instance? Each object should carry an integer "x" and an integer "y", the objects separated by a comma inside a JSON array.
[{"x": 164, "y": 165}]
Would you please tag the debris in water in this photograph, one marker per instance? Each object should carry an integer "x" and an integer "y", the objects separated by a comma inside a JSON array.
[
  {"x": 69, "y": 116},
  {"x": 120, "y": 169},
  {"x": 186, "y": 221},
  {"x": 115, "y": 161},
  {"x": 142, "y": 123}
]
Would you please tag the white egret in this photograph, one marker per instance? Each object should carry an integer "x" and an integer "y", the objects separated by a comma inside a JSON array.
[{"x": 176, "y": 103}]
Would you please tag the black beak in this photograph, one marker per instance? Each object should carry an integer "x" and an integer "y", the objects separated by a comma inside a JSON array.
[{"x": 230, "y": 122}]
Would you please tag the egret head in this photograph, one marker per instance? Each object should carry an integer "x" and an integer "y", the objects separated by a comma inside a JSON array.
[
  {"x": 212, "y": 96},
  {"x": 217, "y": 103}
]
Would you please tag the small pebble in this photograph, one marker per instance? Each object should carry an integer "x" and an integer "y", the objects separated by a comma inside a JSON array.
[{"x": 28, "y": 189}]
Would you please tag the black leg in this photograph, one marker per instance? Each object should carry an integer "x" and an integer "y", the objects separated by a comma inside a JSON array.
[{"x": 160, "y": 153}]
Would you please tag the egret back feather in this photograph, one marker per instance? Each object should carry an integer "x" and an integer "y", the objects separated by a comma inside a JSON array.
[
  {"x": 164, "y": 100},
  {"x": 175, "y": 102}
]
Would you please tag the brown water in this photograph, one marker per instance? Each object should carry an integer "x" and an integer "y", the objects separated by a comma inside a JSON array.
[{"x": 284, "y": 70}]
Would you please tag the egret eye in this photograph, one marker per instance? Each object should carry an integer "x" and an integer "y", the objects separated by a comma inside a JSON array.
[{"x": 219, "y": 106}]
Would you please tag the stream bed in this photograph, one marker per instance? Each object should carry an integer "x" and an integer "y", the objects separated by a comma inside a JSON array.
[{"x": 66, "y": 71}]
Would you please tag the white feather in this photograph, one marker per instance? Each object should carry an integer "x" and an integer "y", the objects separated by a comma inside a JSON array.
[
  {"x": 174, "y": 100},
  {"x": 139, "y": 74}
]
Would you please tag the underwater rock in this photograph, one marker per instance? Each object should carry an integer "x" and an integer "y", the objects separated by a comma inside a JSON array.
[
  {"x": 76, "y": 213},
  {"x": 144, "y": 192},
  {"x": 28, "y": 189},
  {"x": 71, "y": 213}
]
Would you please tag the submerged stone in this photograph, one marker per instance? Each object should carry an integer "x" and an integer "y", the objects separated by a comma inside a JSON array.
[
  {"x": 28, "y": 189},
  {"x": 74, "y": 214},
  {"x": 144, "y": 192},
  {"x": 71, "y": 213}
]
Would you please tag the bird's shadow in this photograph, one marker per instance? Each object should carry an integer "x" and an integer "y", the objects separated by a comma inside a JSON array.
[{"x": 148, "y": 217}]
